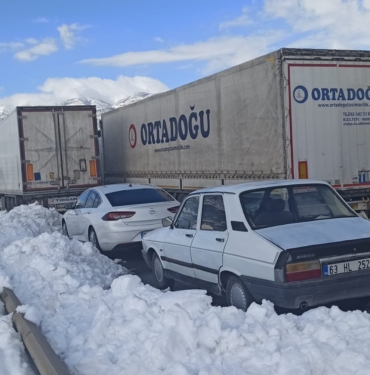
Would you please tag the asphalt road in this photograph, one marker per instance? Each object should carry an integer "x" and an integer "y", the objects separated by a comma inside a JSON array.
[{"x": 135, "y": 263}]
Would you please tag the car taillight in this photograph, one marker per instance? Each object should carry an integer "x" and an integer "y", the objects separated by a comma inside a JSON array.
[
  {"x": 303, "y": 271},
  {"x": 112, "y": 216},
  {"x": 173, "y": 210}
]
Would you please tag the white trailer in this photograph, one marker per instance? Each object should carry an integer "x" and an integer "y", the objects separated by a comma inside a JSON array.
[
  {"x": 290, "y": 114},
  {"x": 49, "y": 154}
]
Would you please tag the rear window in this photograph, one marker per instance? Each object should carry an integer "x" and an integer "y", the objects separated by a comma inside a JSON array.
[
  {"x": 292, "y": 204},
  {"x": 137, "y": 196}
]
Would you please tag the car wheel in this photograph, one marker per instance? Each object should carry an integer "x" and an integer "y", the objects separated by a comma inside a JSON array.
[
  {"x": 93, "y": 238},
  {"x": 237, "y": 294},
  {"x": 160, "y": 281},
  {"x": 64, "y": 229}
]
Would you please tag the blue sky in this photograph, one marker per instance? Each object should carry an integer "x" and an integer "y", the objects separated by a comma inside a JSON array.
[{"x": 51, "y": 50}]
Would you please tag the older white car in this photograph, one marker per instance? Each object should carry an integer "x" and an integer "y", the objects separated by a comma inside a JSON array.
[
  {"x": 115, "y": 217},
  {"x": 293, "y": 242}
]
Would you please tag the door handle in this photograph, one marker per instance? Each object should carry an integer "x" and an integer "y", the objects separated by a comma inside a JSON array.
[
  {"x": 189, "y": 235},
  {"x": 220, "y": 239}
]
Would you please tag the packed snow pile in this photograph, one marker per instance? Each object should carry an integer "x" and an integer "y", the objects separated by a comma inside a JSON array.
[
  {"x": 13, "y": 359},
  {"x": 27, "y": 221},
  {"x": 103, "y": 323}
]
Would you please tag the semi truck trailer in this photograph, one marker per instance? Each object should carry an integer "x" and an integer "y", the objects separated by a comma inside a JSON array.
[
  {"x": 293, "y": 113},
  {"x": 48, "y": 154}
]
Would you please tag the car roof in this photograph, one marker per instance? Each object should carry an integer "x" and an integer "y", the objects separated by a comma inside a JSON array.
[
  {"x": 106, "y": 189},
  {"x": 252, "y": 185}
]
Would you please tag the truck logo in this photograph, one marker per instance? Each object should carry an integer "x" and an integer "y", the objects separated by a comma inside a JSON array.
[
  {"x": 132, "y": 136},
  {"x": 172, "y": 129},
  {"x": 300, "y": 94}
]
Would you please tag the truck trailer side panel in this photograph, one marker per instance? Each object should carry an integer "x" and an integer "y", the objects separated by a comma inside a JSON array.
[{"x": 226, "y": 127}]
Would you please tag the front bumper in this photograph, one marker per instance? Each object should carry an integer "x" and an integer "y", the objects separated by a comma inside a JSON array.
[{"x": 311, "y": 292}]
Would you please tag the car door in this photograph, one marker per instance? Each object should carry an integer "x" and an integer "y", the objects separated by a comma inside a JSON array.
[
  {"x": 210, "y": 239},
  {"x": 176, "y": 249},
  {"x": 86, "y": 213},
  {"x": 75, "y": 224}
]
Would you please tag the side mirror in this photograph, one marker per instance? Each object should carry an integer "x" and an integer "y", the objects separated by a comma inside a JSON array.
[
  {"x": 167, "y": 221},
  {"x": 70, "y": 206}
]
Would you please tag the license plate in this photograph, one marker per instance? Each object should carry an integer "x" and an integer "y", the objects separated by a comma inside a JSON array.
[{"x": 346, "y": 267}]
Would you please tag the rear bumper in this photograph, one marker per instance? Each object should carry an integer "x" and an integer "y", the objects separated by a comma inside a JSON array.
[{"x": 313, "y": 292}]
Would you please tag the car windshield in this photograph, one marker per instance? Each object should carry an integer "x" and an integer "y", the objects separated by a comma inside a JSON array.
[
  {"x": 137, "y": 196},
  {"x": 285, "y": 205}
]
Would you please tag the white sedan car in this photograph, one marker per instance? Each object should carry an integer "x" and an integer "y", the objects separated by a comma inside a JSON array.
[
  {"x": 293, "y": 242},
  {"x": 117, "y": 216}
]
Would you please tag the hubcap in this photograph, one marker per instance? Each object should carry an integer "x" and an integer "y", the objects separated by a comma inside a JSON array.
[
  {"x": 158, "y": 270},
  {"x": 238, "y": 297}
]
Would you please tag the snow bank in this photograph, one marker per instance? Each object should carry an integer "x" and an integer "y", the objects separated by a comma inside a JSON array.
[
  {"x": 27, "y": 221},
  {"x": 13, "y": 359},
  {"x": 133, "y": 329}
]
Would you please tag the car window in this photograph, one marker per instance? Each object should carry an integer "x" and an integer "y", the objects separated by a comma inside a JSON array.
[
  {"x": 82, "y": 199},
  {"x": 97, "y": 201},
  {"x": 137, "y": 196},
  {"x": 91, "y": 199},
  {"x": 187, "y": 219},
  {"x": 213, "y": 213},
  {"x": 292, "y": 204}
]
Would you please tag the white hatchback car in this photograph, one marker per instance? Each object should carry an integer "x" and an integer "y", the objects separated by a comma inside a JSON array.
[
  {"x": 293, "y": 242},
  {"x": 117, "y": 216}
]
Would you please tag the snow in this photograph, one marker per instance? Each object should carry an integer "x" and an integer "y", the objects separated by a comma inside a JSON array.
[
  {"x": 102, "y": 322},
  {"x": 13, "y": 359}
]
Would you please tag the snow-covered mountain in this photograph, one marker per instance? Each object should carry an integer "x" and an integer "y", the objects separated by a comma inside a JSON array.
[
  {"x": 101, "y": 106},
  {"x": 131, "y": 99},
  {"x": 5, "y": 111}
]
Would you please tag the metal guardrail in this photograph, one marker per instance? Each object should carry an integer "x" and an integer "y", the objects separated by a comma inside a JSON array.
[{"x": 45, "y": 359}]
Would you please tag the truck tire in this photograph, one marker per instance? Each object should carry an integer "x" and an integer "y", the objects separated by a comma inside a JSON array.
[
  {"x": 93, "y": 238},
  {"x": 237, "y": 294},
  {"x": 160, "y": 281},
  {"x": 64, "y": 229}
]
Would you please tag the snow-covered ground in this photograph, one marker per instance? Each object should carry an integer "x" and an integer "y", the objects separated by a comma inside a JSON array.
[
  {"x": 102, "y": 322},
  {"x": 13, "y": 359}
]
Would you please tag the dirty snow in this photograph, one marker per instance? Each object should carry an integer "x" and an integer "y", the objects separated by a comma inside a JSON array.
[
  {"x": 102, "y": 323},
  {"x": 13, "y": 359}
]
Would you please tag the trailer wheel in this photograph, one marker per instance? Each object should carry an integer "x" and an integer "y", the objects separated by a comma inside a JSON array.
[
  {"x": 64, "y": 229},
  {"x": 237, "y": 294},
  {"x": 93, "y": 238}
]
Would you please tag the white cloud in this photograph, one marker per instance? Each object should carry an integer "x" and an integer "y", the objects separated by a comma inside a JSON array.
[
  {"x": 242, "y": 20},
  {"x": 160, "y": 40},
  {"x": 68, "y": 34},
  {"x": 44, "y": 48},
  {"x": 10, "y": 46},
  {"x": 57, "y": 90},
  {"x": 31, "y": 41},
  {"x": 41, "y": 20},
  {"x": 327, "y": 23},
  {"x": 218, "y": 52}
]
